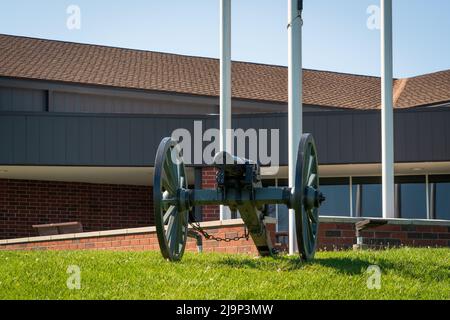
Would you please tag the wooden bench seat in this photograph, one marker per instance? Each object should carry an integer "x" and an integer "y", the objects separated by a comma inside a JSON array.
[{"x": 58, "y": 228}]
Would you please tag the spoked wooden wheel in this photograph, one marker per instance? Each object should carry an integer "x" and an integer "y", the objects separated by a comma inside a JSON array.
[
  {"x": 307, "y": 198},
  {"x": 171, "y": 220}
]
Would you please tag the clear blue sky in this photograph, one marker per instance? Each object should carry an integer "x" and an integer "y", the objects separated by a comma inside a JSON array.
[{"x": 336, "y": 36}]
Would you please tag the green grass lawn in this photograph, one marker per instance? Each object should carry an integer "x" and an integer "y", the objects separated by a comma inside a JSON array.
[{"x": 406, "y": 274}]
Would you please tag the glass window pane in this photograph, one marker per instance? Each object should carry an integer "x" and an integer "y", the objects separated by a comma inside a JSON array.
[
  {"x": 337, "y": 200},
  {"x": 354, "y": 195},
  {"x": 443, "y": 201},
  {"x": 283, "y": 212},
  {"x": 283, "y": 218},
  {"x": 272, "y": 210},
  {"x": 413, "y": 201},
  {"x": 371, "y": 201}
]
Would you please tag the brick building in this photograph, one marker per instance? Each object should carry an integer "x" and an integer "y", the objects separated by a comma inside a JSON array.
[{"x": 80, "y": 125}]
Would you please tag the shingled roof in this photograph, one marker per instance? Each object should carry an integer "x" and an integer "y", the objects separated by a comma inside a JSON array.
[{"x": 29, "y": 58}]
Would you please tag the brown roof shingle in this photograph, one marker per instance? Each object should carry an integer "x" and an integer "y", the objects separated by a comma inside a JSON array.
[{"x": 22, "y": 57}]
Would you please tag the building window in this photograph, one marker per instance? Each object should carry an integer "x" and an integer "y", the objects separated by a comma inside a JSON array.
[
  {"x": 367, "y": 197},
  {"x": 411, "y": 197},
  {"x": 280, "y": 212},
  {"x": 283, "y": 218},
  {"x": 439, "y": 191},
  {"x": 337, "y": 194}
]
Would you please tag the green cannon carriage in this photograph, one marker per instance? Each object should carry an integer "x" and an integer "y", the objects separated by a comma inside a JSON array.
[{"x": 239, "y": 187}]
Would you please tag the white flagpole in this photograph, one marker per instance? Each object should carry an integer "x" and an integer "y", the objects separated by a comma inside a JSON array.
[
  {"x": 225, "y": 84},
  {"x": 387, "y": 113},
  {"x": 295, "y": 102}
]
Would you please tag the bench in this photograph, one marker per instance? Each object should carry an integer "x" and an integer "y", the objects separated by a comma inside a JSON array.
[
  {"x": 282, "y": 237},
  {"x": 364, "y": 225},
  {"x": 58, "y": 228}
]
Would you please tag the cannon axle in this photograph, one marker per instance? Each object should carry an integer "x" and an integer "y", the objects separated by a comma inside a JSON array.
[{"x": 188, "y": 199}]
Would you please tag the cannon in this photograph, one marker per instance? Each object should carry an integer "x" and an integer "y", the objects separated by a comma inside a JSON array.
[{"x": 240, "y": 188}]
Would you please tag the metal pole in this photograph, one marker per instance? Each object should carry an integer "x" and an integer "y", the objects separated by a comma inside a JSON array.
[
  {"x": 427, "y": 193},
  {"x": 295, "y": 101},
  {"x": 277, "y": 226},
  {"x": 387, "y": 114},
  {"x": 225, "y": 84},
  {"x": 352, "y": 214},
  {"x": 432, "y": 200}
]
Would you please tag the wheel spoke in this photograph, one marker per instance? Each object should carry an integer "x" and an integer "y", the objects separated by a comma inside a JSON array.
[
  {"x": 179, "y": 232},
  {"x": 312, "y": 180},
  {"x": 170, "y": 174},
  {"x": 182, "y": 182},
  {"x": 174, "y": 162},
  {"x": 173, "y": 236},
  {"x": 168, "y": 214},
  {"x": 167, "y": 186},
  {"x": 310, "y": 232},
  {"x": 310, "y": 164},
  {"x": 306, "y": 229},
  {"x": 170, "y": 224},
  {"x": 312, "y": 216},
  {"x": 176, "y": 174}
]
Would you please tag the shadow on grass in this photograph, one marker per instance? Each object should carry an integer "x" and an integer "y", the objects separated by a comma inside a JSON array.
[
  {"x": 268, "y": 264},
  {"x": 349, "y": 266}
]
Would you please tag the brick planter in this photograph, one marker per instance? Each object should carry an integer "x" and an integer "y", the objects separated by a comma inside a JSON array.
[{"x": 335, "y": 233}]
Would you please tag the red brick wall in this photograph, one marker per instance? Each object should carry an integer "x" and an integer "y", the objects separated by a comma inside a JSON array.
[
  {"x": 332, "y": 236},
  {"x": 342, "y": 236},
  {"x": 97, "y": 206},
  {"x": 210, "y": 213},
  {"x": 142, "y": 241}
]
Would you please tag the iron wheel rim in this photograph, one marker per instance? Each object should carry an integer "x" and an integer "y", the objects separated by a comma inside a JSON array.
[
  {"x": 171, "y": 222},
  {"x": 307, "y": 219}
]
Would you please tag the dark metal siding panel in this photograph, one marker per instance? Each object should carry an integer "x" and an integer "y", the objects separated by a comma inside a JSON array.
[
  {"x": 284, "y": 136},
  {"x": 422, "y": 136},
  {"x": 90, "y": 141},
  {"x": 59, "y": 140},
  {"x": 333, "y": 145},
  {"x": 123, "y": 140},
  {"x": 111, "y": 134},
  {"x": 6, "y": 139},
  {"x": 424, "y": 126},
  {"x": 20, "y": 99},
  {"x": 411, "y": 136},
  {"x": 373, "y": 137},
  {"x": 359, "y": 142},
  {"x": 320, "y": 133},
  {"x": 98, "y": 141},
  {"x": 32, "y": 141},
  {"x": 346, "y": 131},
  {"x": 74, "y": 102},
  {"x": 19, "y": 137},
  {"x": 137, "y": 141},
  {"x": 6, "y": 99},
  {"x": 114, "y": 140},
  {"x": 400, "y": 140},
  {"x": 45, "y": 140},
  {"x": 438, "y": 138},
  {"x": 149, "y": 140},
  {"x": 73, "y": 140},
  {"x": 447, "y": 135}
]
